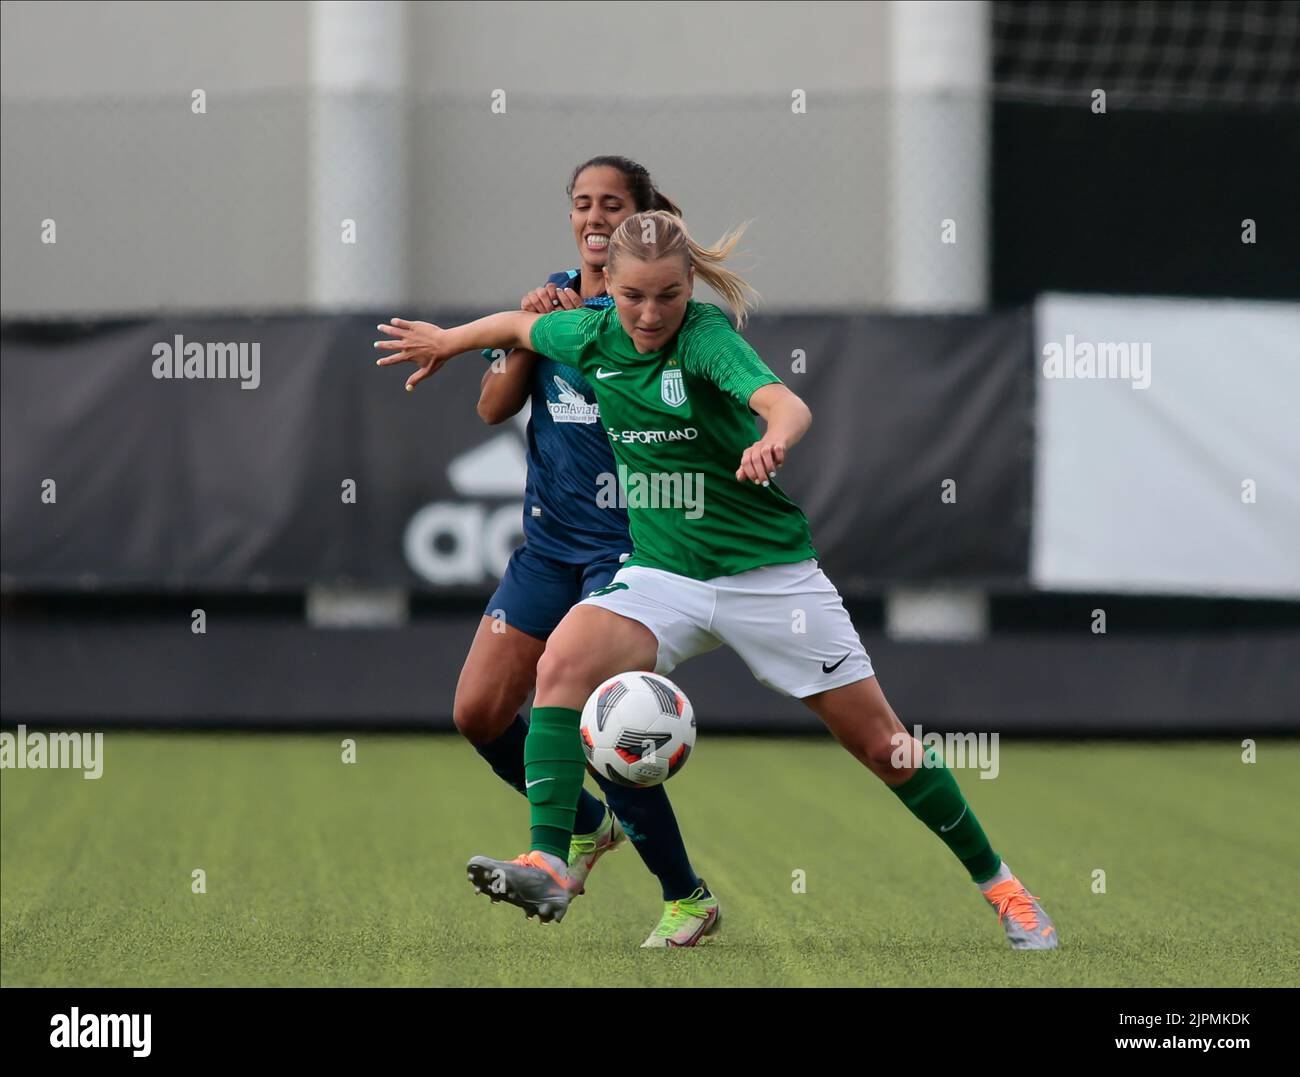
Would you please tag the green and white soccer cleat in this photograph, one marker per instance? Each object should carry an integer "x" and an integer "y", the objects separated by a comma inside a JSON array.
[
  {"x": 1027, "y": 926},
  {"x": 586, "y": 849},
  {"x": 690, "y": 921},
  {"x": 536, "y": 882}
]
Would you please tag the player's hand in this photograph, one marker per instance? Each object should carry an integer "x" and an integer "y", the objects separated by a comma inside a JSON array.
[
  {"x": 760, "y": 461},
  {"x": 413, "y": 342},
  {"x": 547, "y": 298}
]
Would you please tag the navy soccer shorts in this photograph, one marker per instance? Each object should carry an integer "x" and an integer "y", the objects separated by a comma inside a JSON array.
[{"x": 537, "y": 591}]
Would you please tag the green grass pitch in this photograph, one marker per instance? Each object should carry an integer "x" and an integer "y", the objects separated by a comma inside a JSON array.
[{"x": 322, "y": 873}]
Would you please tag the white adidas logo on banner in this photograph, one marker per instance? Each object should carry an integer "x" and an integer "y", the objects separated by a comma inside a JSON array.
[{"x": 468, "y": 541}]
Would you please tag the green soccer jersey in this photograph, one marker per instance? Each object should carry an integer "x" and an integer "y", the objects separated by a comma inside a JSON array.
[{"x": 678, "y": 421}]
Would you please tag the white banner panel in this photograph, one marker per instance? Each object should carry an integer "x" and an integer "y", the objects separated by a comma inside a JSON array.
[{"x": 1168, "y": 446}]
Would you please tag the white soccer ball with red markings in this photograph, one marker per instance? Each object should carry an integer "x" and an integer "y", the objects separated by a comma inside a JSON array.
[{"x": 638, "y": 729}]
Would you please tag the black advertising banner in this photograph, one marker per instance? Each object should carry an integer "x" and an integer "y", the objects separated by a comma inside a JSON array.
[
  {"x": 257, "y": 671},
  {"x": 254, "y": 454}
]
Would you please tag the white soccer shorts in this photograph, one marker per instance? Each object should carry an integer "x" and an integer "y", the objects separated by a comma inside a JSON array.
[{"x": 787, "y": 622}]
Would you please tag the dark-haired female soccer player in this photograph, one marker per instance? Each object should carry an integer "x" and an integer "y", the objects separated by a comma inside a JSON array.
[
  {"x": 572, "y": 546},
  {"x": 677, "y": 387}
]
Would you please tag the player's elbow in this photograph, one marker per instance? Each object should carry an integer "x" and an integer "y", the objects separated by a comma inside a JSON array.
[
  {"x": 798, "y": 413},
  {"x": 494, "y": 410},
  {"x": 805, "y": 411},
  {"x": 491, "y": 412}
]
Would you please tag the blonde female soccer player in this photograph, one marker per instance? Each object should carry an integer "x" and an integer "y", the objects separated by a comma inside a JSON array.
[
  {"x": 677, "y": 388},
  {"x": 572, "y": 546}
]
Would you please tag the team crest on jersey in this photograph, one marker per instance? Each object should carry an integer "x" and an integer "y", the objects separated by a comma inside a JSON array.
[{"x": 672, "y": 388}]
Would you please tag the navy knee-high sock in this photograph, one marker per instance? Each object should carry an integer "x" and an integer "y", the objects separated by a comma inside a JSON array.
[
  {"x": 647, "y": 818},
  {"x": 505, "y": 756}
]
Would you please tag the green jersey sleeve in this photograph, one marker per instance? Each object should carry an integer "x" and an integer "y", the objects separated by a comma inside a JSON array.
[
  {"x": 716, "y": 351},
  {"x": 564, "y": 335}
]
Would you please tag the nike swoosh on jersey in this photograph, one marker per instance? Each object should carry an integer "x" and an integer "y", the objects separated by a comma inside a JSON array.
[
  {"x": 603, "y": 374},
  {"x": 832, "y": 669}
]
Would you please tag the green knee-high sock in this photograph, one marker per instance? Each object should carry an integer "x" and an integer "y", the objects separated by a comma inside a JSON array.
[
  {"x": 554, "y": 767},
  {"x": 932, "y": 795}
]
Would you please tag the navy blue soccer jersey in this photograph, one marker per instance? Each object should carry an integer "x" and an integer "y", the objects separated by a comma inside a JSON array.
[{"x": 570, "y": 463}]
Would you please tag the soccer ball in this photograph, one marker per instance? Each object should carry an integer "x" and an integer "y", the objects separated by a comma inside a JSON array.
[{"x": 637, "y": 729}]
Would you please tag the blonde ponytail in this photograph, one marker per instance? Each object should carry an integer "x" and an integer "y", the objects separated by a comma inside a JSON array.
[{"x": 658, "y": 234}]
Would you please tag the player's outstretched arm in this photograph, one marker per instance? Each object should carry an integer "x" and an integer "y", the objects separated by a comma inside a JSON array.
[
  {"x": 429, "y": 346},
  {"x": 787, "y": 418}
]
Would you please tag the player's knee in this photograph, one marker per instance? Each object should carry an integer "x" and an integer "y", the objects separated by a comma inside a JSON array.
[
  {"x": 873, "y": 739},
  {"x": 880, "y": 753},
  {"x": 877, "y": 747},
  {"x": 562, "y": 671},
  {"x": 479, "y": 720}
]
